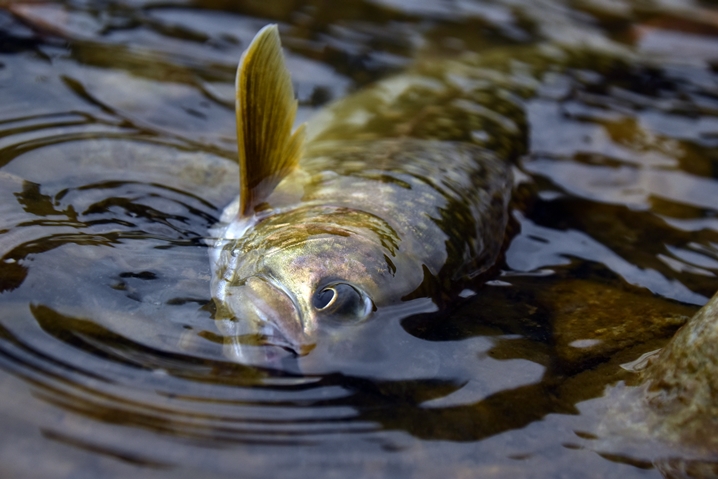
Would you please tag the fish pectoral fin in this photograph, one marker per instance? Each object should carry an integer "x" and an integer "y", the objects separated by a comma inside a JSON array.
[{"x": 265, "y": 106}]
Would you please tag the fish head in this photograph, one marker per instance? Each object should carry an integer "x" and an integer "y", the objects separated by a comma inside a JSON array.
[{"x": 320, "y": 288}]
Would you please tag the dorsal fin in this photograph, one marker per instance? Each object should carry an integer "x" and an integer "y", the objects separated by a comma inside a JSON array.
[{"x": 265, "y": 104}]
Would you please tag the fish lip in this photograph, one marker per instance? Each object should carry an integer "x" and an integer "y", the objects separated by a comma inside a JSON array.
[
  {"x": 272, "y": 336},
  {"x": 273, "y": 312}
]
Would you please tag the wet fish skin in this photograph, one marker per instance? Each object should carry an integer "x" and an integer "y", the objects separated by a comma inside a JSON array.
[
  {"x": 401, "y": 194},
  {"x": 385, "y": 231}
]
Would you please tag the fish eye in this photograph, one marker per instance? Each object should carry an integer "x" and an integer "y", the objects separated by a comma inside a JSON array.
[
  {"x": 324, "y": 298},
  {"x": 342, "y": 302}
]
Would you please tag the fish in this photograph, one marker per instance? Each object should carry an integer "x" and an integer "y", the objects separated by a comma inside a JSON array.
[{"x": 391, "y": 201}]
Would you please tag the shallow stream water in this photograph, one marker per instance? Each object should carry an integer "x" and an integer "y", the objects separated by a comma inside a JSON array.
[{"x": 116, "y": 155}]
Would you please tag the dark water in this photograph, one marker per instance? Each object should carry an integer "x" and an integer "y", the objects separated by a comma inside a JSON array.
[{"x": 116, "y": 148}]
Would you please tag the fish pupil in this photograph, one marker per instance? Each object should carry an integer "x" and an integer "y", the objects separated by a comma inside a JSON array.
[{"x": 323, "y": 298}]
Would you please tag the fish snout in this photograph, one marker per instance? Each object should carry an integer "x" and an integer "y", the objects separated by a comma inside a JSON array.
[{"x": 272, "y": 314}]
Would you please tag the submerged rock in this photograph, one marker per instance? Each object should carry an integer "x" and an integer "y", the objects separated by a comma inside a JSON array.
[
  {"x": 592, "y": 321},
  {"x": 674, "y": 409}
]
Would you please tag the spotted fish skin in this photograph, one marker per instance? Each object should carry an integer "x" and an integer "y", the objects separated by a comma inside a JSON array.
[{"x": 401, "y": 194}]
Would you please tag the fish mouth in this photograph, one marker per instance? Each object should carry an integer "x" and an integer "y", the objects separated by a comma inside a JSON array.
[
  {"x": 269, "y": 315},
  {"x": 271, "y": 336}
]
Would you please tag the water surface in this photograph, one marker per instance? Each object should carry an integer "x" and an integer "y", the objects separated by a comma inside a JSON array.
[{"x": 116, "y": 156}]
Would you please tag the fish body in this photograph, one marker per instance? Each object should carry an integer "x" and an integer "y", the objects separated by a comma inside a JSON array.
[
  {"x": 400, "y": 194},
  {"x": 399, "y": 197}
]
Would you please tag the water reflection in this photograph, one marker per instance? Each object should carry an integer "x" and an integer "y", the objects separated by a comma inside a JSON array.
[{"x": 116, "y": 128}]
